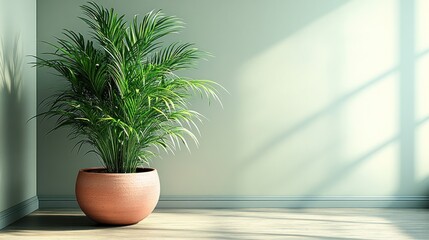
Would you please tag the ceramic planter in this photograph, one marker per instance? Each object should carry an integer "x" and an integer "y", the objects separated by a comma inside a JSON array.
[{"x": 117, "y": 198}]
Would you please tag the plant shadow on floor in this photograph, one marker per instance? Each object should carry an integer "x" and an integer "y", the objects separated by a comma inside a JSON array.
[{"x": 49, "y": 221}]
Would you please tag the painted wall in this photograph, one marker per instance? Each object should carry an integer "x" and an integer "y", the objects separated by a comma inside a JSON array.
[
  {"x": 327, "y": 98},
  {"x": 17, "y": 102}
]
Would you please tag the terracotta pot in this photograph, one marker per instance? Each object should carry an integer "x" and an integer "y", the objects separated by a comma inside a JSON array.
[{"x": 117, "y": 198}]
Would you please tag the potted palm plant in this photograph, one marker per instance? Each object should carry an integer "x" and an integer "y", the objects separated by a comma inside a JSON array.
[{"x": 124, "y": 99}]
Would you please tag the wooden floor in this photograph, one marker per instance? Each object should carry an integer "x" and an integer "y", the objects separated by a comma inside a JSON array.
[{"x": 356, "y": 223}]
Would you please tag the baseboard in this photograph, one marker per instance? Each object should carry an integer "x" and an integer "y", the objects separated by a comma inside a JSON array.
[
  {"x": 18, "y": 211},
  {"x": 46, "y": 202},
  {"x": 294, "y": 202},
  {"x": 265, "y": 202}
]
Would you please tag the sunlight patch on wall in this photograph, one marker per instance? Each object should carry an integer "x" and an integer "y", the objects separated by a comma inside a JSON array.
[
  {"x": 371, "y": 117},
  {"x": 422, "y": 117},
  {"x": 422, "y": 59},
  {"x": 422, "y": 25},
  {"x": 422, "y": 155},
  {"x": 422, "y": 90},
  {"x": 322, "y": 98},
  {"x": 422, "y": 87},
  {"x": 375, "y": 173}
]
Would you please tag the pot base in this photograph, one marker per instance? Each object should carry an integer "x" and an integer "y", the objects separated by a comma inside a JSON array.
[{"x": 117, "y": 198}]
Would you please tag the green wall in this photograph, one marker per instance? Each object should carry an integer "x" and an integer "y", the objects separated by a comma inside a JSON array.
[
  {"x": 17, "y": 103},
  {"x": 327, "y": 98}
]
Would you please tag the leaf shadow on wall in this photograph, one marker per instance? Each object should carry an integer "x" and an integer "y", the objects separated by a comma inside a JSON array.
[{"x": 13, "y": 122}]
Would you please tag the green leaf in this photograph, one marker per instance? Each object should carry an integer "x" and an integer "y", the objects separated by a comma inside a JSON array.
[{"x": 123, "y": 95}]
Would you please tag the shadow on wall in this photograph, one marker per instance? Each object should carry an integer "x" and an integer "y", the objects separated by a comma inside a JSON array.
[
  {"x": 249, "y": 32},
  {"x": 407, "y": 181},
  {"x": 404, "y": 137},
  {"x": 12, "y": 123},
  {"x": 305, "y": 123}
]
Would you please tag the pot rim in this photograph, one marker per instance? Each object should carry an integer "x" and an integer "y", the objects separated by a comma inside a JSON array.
[{"x": 89, "y": 171}]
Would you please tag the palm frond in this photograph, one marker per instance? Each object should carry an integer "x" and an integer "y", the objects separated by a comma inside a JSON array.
[{"x": 123, "y": 96}]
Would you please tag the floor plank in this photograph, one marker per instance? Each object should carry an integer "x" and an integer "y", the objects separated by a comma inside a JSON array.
[{"x": 261, "y": 223}]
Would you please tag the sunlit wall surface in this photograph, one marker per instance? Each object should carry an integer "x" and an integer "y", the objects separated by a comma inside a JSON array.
[
  {"x": 17, "y": 102},
  {"x": 326, "y": 98}
]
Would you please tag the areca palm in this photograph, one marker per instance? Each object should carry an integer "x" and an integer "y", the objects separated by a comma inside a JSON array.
[{"x": 123, "y": 96}]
